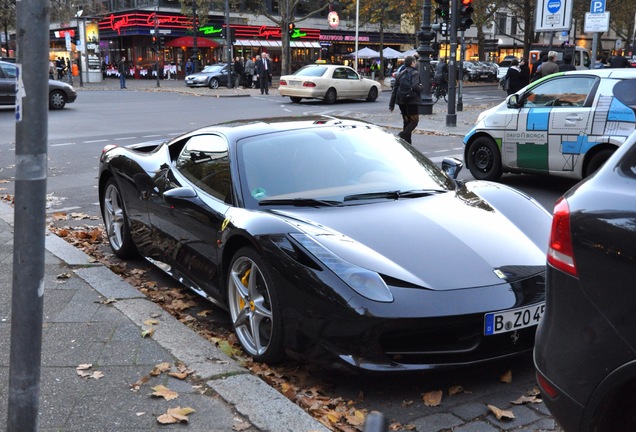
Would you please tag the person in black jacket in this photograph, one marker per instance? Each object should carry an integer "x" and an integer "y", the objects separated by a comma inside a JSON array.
[
  {"x": 518, "y": 76},
  {"x": 406, "y": 92},
  {"x": 567, "y": 64}
]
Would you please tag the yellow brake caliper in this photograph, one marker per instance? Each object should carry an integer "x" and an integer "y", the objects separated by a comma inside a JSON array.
[{"x": 245, "y": 280}]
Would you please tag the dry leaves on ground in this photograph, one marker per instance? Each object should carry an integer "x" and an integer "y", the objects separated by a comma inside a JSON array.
[
  {"x": 501, "y": 414},
  {"x": 81, "y": 372},
  {"x": 175, "y": 415},
  {"x": 507, "y": 377},
  {"x": 432, "y": 398},
  {"x": 164, "y": 392}
]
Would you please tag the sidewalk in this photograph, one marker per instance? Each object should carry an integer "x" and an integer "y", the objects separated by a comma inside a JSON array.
[
  {"x": 433, "y": 124},
  {"x": 92, "y": 317}
]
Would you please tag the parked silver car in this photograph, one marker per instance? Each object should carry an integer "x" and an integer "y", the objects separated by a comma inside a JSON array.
[{"x": 60, "y": 93}]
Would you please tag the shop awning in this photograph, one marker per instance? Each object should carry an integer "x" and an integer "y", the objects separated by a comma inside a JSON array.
[
  {"x": 268, "y": 43},
  {"x": 188, "y": 42}
]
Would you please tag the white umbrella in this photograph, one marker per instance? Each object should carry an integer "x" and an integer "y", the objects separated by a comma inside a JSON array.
[
  {"x": 366, "y": 53},
  {"x": 390, "y": 53},
  {"x": 410, "y": 52}
]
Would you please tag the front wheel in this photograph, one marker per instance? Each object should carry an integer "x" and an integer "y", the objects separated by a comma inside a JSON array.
[
  {"x": 295, "y": 99},
  {"x": 597, "y": 161},
  {"x": 57, "y": 100},
  {"x": 254, "y": 307},
  {"x": 484, "y": 159},
  {"x": 214, "y": 83},
  {"x": 373, "y": 94},
  {"x": 330, "y": 96},
  {"x": 116, "y": 222}
]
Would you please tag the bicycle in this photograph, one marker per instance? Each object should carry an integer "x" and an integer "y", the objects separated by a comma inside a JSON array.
[{"x": 439, "y": 91}]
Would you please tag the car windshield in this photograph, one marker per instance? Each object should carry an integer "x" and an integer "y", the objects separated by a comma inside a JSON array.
[
  {"x": 213, "y": 69},
  {"x": 334, "y": 164},
  {"x": 312, "y": 71}
]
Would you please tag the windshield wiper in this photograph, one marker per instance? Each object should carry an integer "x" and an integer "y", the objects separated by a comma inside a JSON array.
[
  {"x": 300, "y": 202},
  {"x": 396, "y": 194}
]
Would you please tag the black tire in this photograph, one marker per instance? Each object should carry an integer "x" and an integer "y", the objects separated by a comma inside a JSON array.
[
  {"x": 57, "y": 100},
  {"x": 214, "y": 83},
  {"x": 597, "y": 161},
  {"x": 484, "y": 159},
  {"x": 116, "y": 222},
  {"x": 373, "y": 94},
  {"x": 330, "y": 96},
  {"x": 253, "y": 303},
  {"x": 295, "y": 99}
]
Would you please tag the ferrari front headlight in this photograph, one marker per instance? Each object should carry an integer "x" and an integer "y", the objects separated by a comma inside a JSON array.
[{"x": 365, "y": 282}]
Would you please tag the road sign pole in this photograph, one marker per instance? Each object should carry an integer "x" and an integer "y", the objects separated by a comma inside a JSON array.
[{"x": 594, "y": 49}]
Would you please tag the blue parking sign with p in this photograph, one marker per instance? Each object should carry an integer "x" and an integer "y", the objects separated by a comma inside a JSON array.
[{"x": 597, "y": 6}]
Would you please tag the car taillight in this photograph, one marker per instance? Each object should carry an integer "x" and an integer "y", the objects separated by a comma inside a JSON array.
[
  {"x": 561, "y": 250},
  {"x": 309, "y": 84},
  {"x": 282, "y": 82},
  {"x": 546, "y": 387}
]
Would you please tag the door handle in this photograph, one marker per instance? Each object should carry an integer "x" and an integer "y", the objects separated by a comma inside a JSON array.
[{"x": 574, "y": 118}]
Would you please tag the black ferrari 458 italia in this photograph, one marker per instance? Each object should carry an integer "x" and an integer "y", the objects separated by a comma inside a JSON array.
[{"x": 333, "y": 239}]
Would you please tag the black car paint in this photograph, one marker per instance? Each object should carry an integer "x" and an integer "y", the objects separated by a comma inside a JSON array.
[{"x": 196, "y": 236}]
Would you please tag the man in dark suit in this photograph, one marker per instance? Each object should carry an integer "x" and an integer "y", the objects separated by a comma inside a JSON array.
[{"x": 264, "y": 72}]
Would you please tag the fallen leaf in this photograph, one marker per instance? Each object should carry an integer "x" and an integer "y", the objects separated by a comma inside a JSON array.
[
  {"x": 108, "y": 300},
  {"x": 150, "y": 322},
  {"x": 180, "y": 375},
  {"x": 141, "y": 381},
  {"x": 64, "y": 276},
  {"x": 164, "y": 392},
  {"x": 97, "y": 375},
  {"x": 433, "y": 398},
  {"x": 204, "y": 313},
  {"x": 240, "y": 425},
  {"x": 84, "y": 366},
  {"x": 175, "y": 415},
  {"x": 149, "y": 332},
  {"x": 356, "y": 418},
  {"x": 499, "y": 413},
  {"x": 158, "y": 369},
  {"x": 454, "y": 390},
  {"x": 526, "y": 399},
  {"x": 507, "y": 377}
]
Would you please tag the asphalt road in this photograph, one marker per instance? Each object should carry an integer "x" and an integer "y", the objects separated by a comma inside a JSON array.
[{"x": 78, "y": 133}]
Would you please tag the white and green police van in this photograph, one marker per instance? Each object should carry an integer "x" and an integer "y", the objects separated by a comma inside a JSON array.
[{"x": 566, "y": 124}]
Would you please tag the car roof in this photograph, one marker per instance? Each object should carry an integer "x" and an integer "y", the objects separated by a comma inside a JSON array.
[
  {"x": 238, "y": 129},
  {"x": 621, "y": 73}
]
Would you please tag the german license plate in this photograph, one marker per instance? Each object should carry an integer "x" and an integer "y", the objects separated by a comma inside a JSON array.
[
  {"x": 294, "y": 83},
  {"x": 513, "y": 319}
]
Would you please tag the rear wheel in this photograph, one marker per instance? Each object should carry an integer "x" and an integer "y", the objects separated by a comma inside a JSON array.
[
  {"x": 597, "y": 161},
  {"x": 254, "y": 307},
  {"x": 330, "y": 96},
  {"x": 214, "y": 83},
  {"x": 295, "y": 99},
  {"x": 373, "y": 94},
  {"x": 484, "y": 159},
  {"x": 57, "y": 100},
  {"x": 116, "y": 222}
]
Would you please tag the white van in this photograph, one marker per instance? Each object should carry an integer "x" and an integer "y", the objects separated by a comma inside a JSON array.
[
  {"x": 580, "y": 56},
  {"x": 566, "y": 124}
]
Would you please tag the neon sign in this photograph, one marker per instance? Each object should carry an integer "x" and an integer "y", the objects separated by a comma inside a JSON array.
[{"x": 210, "y": 30}]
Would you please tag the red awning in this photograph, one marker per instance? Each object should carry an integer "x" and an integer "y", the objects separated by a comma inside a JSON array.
[{"x": 188, "y": 42}]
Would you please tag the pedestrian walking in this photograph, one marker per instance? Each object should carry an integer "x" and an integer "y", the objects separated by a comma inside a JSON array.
[
  {"x": 406, "y": 93},
  {"x": 59, "y": 68},
  {"x": 600, "y": 62},
  {"x": 238, "y": 71},
  {"x": 189, "y": 67},
  {"x": 264, "y": 72},
  {"x": 549, "y": 67},
  {"x": 619, "y": 61},
  {"x": 121, "y": 68},
  {"x": 249, "y": 73},
  {"x": 567, "y": 64}
]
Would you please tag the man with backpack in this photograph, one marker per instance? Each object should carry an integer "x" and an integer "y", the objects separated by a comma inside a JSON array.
[{"x": 406, "y": 93}]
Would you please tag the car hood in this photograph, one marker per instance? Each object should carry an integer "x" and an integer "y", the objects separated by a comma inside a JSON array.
[{"x": 438, "y": 242}]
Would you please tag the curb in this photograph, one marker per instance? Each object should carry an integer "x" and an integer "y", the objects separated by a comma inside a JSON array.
[{"x": 265, "y": 407}]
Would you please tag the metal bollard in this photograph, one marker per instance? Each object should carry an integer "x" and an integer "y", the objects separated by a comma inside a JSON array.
[{"x": 375, "y": 422}]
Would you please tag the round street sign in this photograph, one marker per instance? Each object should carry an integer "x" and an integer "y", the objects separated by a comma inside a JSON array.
[{"x": 554, "y": 6}]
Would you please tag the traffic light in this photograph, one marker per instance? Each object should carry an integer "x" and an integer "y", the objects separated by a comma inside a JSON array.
[
  {"x": 154, "y": 43},
  {"x": 443, "y": 10},
  {"x": 161, "y": 41},
  {"x": 291, "y": 29},
  {"x": 232, "y": 33},
  {"x": 465, "y": 10},
  {"x": 440, "y": 28}
]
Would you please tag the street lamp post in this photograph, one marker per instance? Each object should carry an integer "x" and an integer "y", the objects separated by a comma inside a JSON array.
[
  {"x": 195, "y": 28},
  {"x": 426, "y": 35}
]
